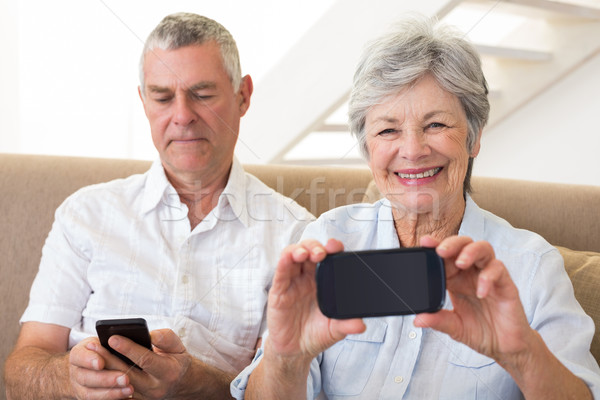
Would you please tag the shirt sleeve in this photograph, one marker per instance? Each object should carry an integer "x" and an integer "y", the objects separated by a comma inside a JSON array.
[
  {"x": 240, "y": 383},
  {"x": 60, "y": 289},
  {"x": 561, "y": 321}
]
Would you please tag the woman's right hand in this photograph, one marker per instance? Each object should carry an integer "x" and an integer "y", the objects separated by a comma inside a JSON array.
[{"x": 298, "y": 331}]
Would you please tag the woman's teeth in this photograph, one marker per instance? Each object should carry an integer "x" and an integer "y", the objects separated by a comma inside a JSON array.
[{"x": 425, "y": 174}]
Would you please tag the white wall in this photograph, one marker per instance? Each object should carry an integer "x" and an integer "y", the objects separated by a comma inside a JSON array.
[
  {"x": 68, "y": 78},
  {"x": 69, "y": 69},
  {"x": 554, "y": 138},
  {"x": 9, "y": 76}
]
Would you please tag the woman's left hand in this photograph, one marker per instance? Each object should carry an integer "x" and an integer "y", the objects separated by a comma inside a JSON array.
[{"x": 487, "y": 313}]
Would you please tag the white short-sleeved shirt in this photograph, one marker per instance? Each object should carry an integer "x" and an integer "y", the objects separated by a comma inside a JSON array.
[
  {"x": 125, "y": 249},
  {"x": 393, "y": 359}
]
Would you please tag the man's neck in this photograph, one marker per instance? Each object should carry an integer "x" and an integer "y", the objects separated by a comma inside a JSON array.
[{"x": 199, "y": 192}]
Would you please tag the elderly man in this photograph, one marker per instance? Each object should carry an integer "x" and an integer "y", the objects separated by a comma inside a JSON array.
[{"x": 190, "y": 245}]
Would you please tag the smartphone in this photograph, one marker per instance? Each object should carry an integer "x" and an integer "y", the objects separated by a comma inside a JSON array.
[
  {"x": 375, "y": 283},
  {"x": 135, "y": 329}
]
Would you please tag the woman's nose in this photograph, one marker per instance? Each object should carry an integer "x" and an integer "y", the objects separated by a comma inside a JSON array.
[{"x": 414, "y": 145}]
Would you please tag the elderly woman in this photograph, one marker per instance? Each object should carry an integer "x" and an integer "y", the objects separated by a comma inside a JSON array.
[{"x": 511, "y": 327}]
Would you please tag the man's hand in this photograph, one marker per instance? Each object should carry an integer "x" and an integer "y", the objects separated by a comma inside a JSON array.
[
  {"x": 97, "y": 374},
  {"x": 162, "y": 370}
]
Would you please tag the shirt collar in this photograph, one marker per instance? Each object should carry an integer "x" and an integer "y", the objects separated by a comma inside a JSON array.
[
  {"x": 473, "y": 222},
  {"x": 234, "y": 194},
  {"x": 157, "y": 185},
  {"x": 385, "y": 225}
]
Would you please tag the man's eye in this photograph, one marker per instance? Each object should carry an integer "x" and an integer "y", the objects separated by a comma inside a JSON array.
[
  {"x": 202, "y": 96},
  {"x": 161, "y": 99},
  {"x": 387, "y": 131}
]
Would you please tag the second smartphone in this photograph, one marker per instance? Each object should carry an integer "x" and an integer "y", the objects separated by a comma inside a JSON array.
[
  {"x": 376, "y": 283},
  {"x": 135, "y": 329}
]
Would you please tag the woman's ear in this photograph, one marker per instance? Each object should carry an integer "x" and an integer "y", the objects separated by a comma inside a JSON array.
[{"x": 476, "y": 145}]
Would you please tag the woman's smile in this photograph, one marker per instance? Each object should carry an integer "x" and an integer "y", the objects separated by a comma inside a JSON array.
[{"x": 418, "y": 176}]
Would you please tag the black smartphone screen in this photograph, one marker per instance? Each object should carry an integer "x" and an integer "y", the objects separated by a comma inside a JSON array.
[
  {"x": 381, "y": 282},
  {"x": 135, "y": 329}
]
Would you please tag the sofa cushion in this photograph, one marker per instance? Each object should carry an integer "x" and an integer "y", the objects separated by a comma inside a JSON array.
[
  {"x": 583, "y": 268},
  {"x": 539, "y": 207}
]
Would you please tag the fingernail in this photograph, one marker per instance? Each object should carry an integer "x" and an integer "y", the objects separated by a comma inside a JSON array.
[
  {"x": 122, "y": 381},
  {"x": 114, "y": 342},
  {"x": 299, "y": 252},
  {"x": 95, "y": 364},
  {"x": 480, "y": 288},
  {"x": 317, "y": 251},
  {"x": 460, "y": 262}
]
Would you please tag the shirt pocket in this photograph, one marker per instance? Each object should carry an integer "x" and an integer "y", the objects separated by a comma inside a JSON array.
[
  {"x": 471, "y": 375},
  {"x": 347, "y": 366}
]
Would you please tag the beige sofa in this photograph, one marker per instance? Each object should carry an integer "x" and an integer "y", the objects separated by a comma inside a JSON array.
[{"x": 32, "y": 186}]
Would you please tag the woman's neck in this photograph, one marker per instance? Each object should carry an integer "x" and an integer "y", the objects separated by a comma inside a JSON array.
[{"x": 411, "y": 227}]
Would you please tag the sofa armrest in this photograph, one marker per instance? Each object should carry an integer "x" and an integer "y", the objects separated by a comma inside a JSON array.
[{"x": 583, "y": 267}]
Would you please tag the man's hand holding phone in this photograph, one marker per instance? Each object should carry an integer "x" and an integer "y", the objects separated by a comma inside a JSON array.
[{"x": 96, "y": 373}]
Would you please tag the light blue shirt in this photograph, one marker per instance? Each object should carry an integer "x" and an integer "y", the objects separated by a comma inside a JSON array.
[{"x": 393, "y": 359}]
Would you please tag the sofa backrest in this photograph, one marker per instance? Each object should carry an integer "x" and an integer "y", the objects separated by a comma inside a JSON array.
[{"x": 33, "y": 186}]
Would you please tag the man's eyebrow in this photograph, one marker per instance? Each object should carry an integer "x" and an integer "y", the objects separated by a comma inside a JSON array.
[
  {"x": 197, "y": 86},
  {"x": 158, "y": 89},
  {"x": 202, "y": 86}
]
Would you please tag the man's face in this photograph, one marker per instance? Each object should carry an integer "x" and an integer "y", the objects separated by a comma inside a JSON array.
[{"x": 193, "y": 110}]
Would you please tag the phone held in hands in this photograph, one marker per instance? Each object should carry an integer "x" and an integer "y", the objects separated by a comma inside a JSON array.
[
  {"x": 135, "y": 329},
  {"x": 375, "y": 283}
]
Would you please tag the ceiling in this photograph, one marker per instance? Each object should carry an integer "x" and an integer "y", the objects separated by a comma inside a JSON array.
[{"x": 299, "y": 109}]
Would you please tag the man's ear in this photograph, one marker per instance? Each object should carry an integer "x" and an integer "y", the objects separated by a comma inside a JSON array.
[
  {"x": 142, "y": 99},
  {"x": 244, "y": 94}
]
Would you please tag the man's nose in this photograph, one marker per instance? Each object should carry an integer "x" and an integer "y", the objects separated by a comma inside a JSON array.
[{"x": 184, "y": 111}]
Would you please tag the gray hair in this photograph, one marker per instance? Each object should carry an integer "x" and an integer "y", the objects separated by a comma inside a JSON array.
[
  {"x": 185, "y": 29},
  {"x": 415, "y": 47}
]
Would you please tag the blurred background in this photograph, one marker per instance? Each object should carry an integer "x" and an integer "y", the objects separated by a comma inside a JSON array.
[{"x": 69, "y": 76}]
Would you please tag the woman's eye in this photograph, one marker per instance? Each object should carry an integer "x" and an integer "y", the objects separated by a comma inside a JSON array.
[
  {"x": 387, "y": 131},
  {"x": 436, "y": 125}
]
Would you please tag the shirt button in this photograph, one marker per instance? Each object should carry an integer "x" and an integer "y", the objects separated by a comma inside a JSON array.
[
  {"x": 181, "y": 332},
  {"x": 185, "y": 279},
  {"x": 398, "y": 379},
  {"x": 412, "y": 335}
]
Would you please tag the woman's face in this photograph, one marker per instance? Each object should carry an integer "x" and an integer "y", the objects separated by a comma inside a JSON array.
[{"x": 417, "y": 148}]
